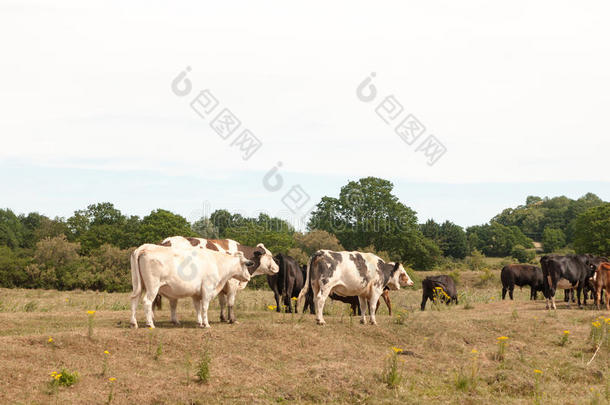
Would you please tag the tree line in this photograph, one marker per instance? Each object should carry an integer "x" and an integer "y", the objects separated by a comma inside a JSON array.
[{"x": 90, "y": 249}]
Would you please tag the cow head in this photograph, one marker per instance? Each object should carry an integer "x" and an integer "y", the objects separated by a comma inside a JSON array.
[
  {"x": 399, "y": 278},
  {"x": 264, "y": 261},
  {"x": 243, "y": 274}
]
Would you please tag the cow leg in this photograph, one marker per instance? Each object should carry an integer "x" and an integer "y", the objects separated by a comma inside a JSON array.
[
  {"x": 607, "y": 300},
  {"x": 319, "y": 300},
  {"x": 503, "y": 293},
  {"x": 205, "y": 304},
  {"x": 222, "y": 300},
  {"x": 386, "y": 298},
  {"x": 147, "y": 301},
  {"x": 578, "y": 293},
  {"x": 424, "y": 299},
  {"x": 276, "y": 295},
  {"x": 231, "y": 304},
  {"x": 598, "y": 298},
  {"x": 287, "y": 296},
  {"x": 372, "y": 303},
  {"x": 173, "y": 304},
  {"x": 134, "y": 307},
  {"x": 197, "y": 306},
  {"x": 510, "y": 292},
  {"x": 553, "y": 302},
  {"x": 363, "y": 306}
]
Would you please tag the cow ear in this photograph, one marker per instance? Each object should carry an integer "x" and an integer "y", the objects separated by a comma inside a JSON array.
[
  {"x": 258, "y": 253},
  {"x": 396, "y": 266}
]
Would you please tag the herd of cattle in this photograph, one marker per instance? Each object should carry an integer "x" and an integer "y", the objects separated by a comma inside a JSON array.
[
  {"x": 583, "y": 273},
  {"x": 182, "y": 267}
]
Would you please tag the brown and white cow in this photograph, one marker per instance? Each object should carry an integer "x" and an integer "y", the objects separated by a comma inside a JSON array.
[
  {"x": 260, "y": 255},
  {"x": 602, "y": 281},
  {"x": 351, "y": 274},
  {"x": 180, "y": 273}
]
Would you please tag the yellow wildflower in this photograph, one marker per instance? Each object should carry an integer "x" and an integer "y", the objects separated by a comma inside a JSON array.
[
  {"x": 271, "y": 307},
  {"x": 91, "y": 312},
  {"x": 57, "y": 376},
  {"x": 294, "y": 298},
  {"x": 396, "y": 350},
  {"x": 112, "y": 379},
  {"x": 538, "y": 371},
  {"x": 501, "y": 338},
  {"x": 106, "y": 352},
  {"x": 474, "y": 351},
  {"x": 566, "y": 332},
  {"x": 50, "y": 340},
  {"x": 607, "y": 320},
  {"x": 596, "y": 324},
  {"x": 53, "y": 373}
]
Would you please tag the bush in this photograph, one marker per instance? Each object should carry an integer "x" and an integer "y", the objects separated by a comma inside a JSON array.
[
  {"x": 522, "y": 254},
  {"x": 476, "y": 260},
  {"x": 553, "y": 239}
]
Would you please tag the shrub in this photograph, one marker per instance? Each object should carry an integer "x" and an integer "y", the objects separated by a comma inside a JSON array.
[
  {"x": 522, "y": 254},
  {"x": 64, "y": 378},
  {"x": 203, "y": 367},
  {"x": 476, "y": 260}
]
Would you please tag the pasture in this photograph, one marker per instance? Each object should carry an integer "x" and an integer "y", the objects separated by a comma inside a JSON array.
[{"x": 271, "y": 357}]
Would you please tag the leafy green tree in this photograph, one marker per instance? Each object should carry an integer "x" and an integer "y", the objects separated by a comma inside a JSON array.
[
  {"x": 540, "y": 213},
  {"x": 317, "y": 239},
  {"x": 522, "y": 254},
  {"x": 449, "y": 237},
  {"x": 12, "y": 268},
  {"x": 368, "y": 214},
  {"x": 532, "y": 199},
  {"x": 495, "y": 239},
  {"x": 12, "y": 231},
  {"x": 98, "y": 224},
  {"x": 39, "y": 227},
  {"x": 160, "y": 224},
  {"x": 553, "y": 239},
  {"x": 592, "y": 231},
  {"x": 222, "y": 220},
  {"x": 204, "y": 228}
]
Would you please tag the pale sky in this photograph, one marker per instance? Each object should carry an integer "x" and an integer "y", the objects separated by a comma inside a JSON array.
[{"x": 518, "y": 93}]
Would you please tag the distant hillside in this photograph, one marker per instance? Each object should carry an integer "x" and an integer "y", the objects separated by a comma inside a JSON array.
[{"x": 555, "y": 215}]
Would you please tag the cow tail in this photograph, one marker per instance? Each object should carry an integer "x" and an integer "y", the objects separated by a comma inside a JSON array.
[
  {"x": 136, "y": 277},
  {"x": 303, "y": 292}
]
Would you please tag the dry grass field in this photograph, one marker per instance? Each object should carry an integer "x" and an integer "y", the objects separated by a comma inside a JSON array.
[{"x": 278, "y": 358}]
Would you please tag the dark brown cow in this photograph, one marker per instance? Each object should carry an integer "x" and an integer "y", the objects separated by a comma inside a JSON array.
[
  {"x": 520, "y": 275},
  {"x": 355, "y": 302},
  {"x": 438, "y": 287}
]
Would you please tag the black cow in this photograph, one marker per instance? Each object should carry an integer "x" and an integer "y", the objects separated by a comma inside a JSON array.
[
  {"x": 288, "y": 281},
  {"x": 520, "y": 275},
  {"x": 431, "y": 285},
  {"x": 570, "y": 271},
  {"x": 355, "y": 302}
]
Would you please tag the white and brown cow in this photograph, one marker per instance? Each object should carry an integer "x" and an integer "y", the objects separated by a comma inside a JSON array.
[
  {"x": 351, "y": 274},
  {"x": 180, "y": 273},
  {"x": 260, "y": 255}
]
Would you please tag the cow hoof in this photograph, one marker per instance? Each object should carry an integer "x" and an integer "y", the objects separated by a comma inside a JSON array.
[
  {"x": 362, "y": 321},
  {"x": 233, "y": 322},
  {"x": 374, "y": 323},
  {"x": 150, "y": 326},
  {"x": 322, "y": 323},
  {"x": 203, "y": 326},
  {"x": 134, "y": 325},
  {"x": 176, "y": 323}
]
